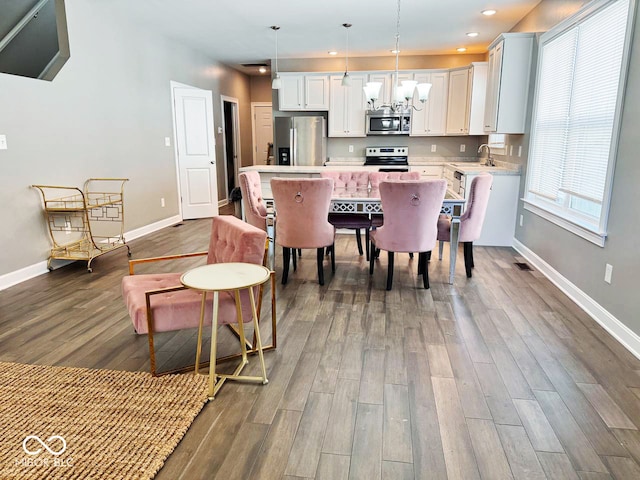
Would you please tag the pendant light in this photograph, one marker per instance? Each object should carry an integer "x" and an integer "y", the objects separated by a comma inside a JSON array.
[
  {"x": 346, "y": 79},
  {"x": 276, "y": 84},
  {"x": 403, "y": 91}
]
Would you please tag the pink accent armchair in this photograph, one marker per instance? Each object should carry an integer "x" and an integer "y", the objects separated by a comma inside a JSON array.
[
  {"x": 471, "y": 220},
  {"x": 302, "y": 211},
  {"x": 411, "y": 209},
  {"x": 351, "y": 181},
  {"x": 160, "y": 303}
]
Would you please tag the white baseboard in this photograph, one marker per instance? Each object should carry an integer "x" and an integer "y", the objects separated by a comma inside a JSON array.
[
  {"x": 627, "y": 337},
  {"x": 152, "y": 227},
  {"x": 12, "y": 278}
]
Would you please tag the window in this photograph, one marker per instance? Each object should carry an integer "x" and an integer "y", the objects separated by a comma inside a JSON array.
[{"x": 581, "y": 72}]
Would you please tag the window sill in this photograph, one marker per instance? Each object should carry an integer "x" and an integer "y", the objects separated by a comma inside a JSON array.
[{"x": 594, "y": 237}]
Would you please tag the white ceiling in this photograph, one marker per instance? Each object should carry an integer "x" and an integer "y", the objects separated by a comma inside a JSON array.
[{"x": 237, "y": 31}]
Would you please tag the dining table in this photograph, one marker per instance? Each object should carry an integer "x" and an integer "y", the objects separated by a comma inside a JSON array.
[{"x": 367, "y": 201}]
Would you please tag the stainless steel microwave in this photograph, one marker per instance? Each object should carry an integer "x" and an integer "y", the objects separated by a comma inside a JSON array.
[{"x": 387, "y": 122}]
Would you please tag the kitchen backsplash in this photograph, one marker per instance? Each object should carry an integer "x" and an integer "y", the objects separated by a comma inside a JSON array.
[{"x": 418, "y": 146}]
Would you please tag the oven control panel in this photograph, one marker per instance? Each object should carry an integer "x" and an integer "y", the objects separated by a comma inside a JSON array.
[{"x": 387, "y": 151}]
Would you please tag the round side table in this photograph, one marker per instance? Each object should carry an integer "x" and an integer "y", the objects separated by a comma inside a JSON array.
[{"x": 223, "y": 277}]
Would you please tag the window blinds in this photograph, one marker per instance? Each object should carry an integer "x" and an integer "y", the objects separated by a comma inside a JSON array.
[{"x": 572, "y": 132}]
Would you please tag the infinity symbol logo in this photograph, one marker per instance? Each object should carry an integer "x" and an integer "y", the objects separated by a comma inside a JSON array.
[{"x": 37, "y": 439}]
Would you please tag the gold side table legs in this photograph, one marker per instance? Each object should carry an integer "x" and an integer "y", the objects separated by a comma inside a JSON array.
[{"x": 217, "y": 380}]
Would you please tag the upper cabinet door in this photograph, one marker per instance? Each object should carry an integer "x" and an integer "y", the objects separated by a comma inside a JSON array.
[
  {"x": 316, "y": 92},
  {"x": 347, "y": 107},
  {"x": 458, "y": 102},
  {"x": 290, "y": 95},
  {"x": 431, "y": 119},
  {"x": 510, "y": 58},
  {"x": 385, "y": 89}
]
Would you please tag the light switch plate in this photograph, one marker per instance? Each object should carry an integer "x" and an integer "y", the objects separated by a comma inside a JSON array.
[
  {"x": 167, "y": 141},
  {"x": 3, "y": 142}
]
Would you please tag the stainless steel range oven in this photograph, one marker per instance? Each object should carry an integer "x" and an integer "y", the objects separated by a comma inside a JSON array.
[{"x": 389, "y": 159}]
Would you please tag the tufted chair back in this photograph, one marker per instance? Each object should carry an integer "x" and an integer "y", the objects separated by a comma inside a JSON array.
[
  {"x": 352, "y": 180},
  {"x": 376, "y": 177},
  {"x": 255, "y": 210},
  {"x": 232, "y": 241},
  {"x": 302, "y": 206}
]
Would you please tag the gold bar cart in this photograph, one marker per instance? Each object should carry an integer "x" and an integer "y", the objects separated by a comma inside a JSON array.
[{"x": 85, "y": 223}]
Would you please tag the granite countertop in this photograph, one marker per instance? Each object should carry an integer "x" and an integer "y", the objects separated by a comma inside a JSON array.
[{"x": 501, "y": 168}]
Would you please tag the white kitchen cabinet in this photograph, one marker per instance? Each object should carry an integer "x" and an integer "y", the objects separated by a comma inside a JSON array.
[
  {"x": 386, "y": 89},
  {"x": 499, "y": 224},
  {"x": 304, "y": 92},
  {"x": 457, "y": 103},
  {"x": 347, "y": 106},
  {"x": 508, "y": 83},
  {"x": 431, "y": 119},
  {"x": 466, "y": 100}
]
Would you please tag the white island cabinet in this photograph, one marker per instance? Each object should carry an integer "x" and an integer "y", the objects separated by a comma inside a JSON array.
[{"x": 499, "y": 225}]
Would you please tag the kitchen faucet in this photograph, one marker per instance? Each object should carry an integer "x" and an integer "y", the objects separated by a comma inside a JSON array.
[{"x": 489, "y": 162}]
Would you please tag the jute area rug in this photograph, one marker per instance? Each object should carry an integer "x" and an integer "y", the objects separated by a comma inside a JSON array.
[{"x": 76, "y": 423}]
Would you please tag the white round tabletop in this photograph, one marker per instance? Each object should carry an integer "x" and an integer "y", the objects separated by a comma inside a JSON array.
[{"x": 225, "y": 276}]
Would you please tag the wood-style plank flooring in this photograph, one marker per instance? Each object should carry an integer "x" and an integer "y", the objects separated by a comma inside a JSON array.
[{"x": 498, "y": 376}]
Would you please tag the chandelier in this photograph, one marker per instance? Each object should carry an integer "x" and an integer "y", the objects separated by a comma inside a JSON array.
[{"x": 402, "y": 91}]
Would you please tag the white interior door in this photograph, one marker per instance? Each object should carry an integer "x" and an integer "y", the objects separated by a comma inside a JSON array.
[
  {"x": 262, "y": 133},
  {"x": 196, "y": 152}
]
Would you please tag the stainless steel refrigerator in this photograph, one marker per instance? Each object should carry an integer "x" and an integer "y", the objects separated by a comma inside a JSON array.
[{"x": 300, "y": 140}]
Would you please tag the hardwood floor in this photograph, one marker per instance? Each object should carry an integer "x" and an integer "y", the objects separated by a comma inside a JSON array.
[{"x": 498, "y": 376}]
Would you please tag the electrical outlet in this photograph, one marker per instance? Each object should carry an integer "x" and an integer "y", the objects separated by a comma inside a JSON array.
[
  {"x": 350, "y": 148},
  {"x": 521, "y": 220},
  {"x": 3, "y": 142},
  {"x": 520, "y": 150},
  {"x": 433, "y": 148},
  {"x": 162, "y": 202},
  {"x": 608, "y": 270},
  {"x": 463, "y": 147},
  {"x": 167, "y": 141}
]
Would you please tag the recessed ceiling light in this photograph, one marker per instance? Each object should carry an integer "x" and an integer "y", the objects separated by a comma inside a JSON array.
[
  {"x": 262, "y": 70},
  {"x": 461, "y": 49},
  {"x": 472, "y": 34},
  {"x": 488, "y": 13},
  {"x": 333, "y": 52}
]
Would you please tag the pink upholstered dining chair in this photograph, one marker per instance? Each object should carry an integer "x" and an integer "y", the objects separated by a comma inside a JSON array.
[
  {"x": 411, "y": 209},
  {"x": 302, "y": 211},
  {"x": 471, "y": 220},
  {"x": 353, "y": 221},
  {"x": 255, "y": 210},
  {"x": 376, "y": 177},
  {"x": 159, "y": 303}
]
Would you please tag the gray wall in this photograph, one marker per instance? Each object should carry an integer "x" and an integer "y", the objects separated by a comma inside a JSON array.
[
  {"x": 105, "y": 115},
  {"x": 578, "y": 260}
]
